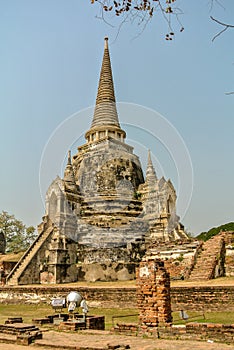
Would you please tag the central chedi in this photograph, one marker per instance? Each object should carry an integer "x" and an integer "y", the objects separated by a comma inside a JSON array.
[{"x": 101, "y": 217}]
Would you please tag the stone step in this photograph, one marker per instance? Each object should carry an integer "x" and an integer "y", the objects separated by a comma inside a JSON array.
[
  {"x": 207, "y": 260},
  {"x": 22, "y": 264}
]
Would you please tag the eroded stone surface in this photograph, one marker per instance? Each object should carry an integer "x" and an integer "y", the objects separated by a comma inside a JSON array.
[{"x": 103, "y": 205}]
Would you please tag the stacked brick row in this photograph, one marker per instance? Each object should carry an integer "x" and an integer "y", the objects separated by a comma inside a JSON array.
[
  {"x": 126, "y": 328},
  {"x": 217, "y": 332},
  {"x": 199, "y": 331},
  {"x": 203, "y": 298},
  {"x": 95, "y": 322},
  {"x": 153, "y": 294}
]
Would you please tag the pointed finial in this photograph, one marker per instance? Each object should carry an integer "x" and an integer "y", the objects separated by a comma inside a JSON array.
[
  {"x": 150, "y": 171},
  {"x": 149, "y": 158},
  {"x": 69, "y": 177},
  {"x": 106, "y": 42},
  {"x": 69, "y": 158}
]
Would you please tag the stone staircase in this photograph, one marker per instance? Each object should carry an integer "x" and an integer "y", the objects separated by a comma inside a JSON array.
[
  {"x": 210, "y": 262},
  {"x": 46, "y": 230}
]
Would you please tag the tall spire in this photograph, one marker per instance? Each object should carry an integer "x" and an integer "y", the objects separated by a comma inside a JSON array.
[
  {"x": 105, "y": 116},
  {"x": 105, "y": 109},
  {"x": 150, "y": 171}
]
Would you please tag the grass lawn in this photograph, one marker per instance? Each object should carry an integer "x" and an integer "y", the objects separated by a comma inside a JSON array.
[
  {"x": 28, "y": 312},
  {"x": 226, "y": 317}
]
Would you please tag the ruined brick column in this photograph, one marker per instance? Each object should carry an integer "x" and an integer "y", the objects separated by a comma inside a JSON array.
[
  {"x": 153, "y": 294},
  {"x": 163, "y": 293}
]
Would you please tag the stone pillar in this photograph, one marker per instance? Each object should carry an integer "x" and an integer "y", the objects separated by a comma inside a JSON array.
[{"x": 153, "y": 294}]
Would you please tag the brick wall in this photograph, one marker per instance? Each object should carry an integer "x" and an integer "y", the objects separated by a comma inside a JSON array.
[
  {"x": 191, "y": 331},
  {"x": 199, "y": 331},
  {"x": 96, "y": 297},
  {"x": 203, "y": 298},
  {"x": 187, "y": 298}
]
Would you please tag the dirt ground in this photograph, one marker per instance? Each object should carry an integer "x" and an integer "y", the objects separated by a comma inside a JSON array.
[
  {"x": 221, "y": 281},
  {"x": 100, "y": 339}
]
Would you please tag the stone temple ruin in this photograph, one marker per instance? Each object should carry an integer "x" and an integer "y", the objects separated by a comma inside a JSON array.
[{"x": 103, "y": 215}]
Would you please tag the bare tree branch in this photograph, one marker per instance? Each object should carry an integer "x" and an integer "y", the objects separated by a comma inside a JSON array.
[
  {"x": 217, "y": 2},
  {"x": 225, "y": 25},
  {"x": 141, "y": 11}
]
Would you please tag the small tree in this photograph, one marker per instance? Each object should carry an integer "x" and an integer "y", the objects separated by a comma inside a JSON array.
[{"x": 18, "y": 236}]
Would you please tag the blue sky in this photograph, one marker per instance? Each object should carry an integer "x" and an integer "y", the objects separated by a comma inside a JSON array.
[{"x": 50, "y": 57}]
